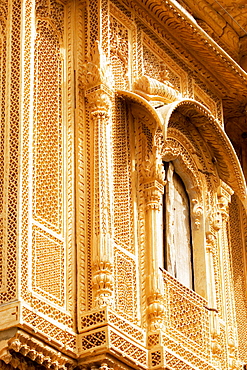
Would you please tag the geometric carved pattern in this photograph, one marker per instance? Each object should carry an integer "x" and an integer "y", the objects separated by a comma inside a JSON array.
[
  {"x": 123, "y": 208},
  {"x": 3, "y": 17},
  {"x": 119, "y": 41},
  {"x": 95, "y": 339},
  {"x": 154, "y": 67},
  {"x": 125, "y": 284},
  {"x": 239, "y": 271},
  {"x": 94, "y": 319},
  {"x": 51, "y": 331},
  {"x": 156, "y": 358},
  {"x": 9, "y": 136},
  {"x": 42, "y": 143},
  {"x": 109, "y": 337},
  {"x": 48, "y": 266},
  {"x": 187, "y": 318},
  {"x": 153, "y": 340},
  {"x": 177, "y": 347},
  {"x": 124, "y": 326},
  {"x": 48, "y": 133},
  {"x": 128, "y": 348}
]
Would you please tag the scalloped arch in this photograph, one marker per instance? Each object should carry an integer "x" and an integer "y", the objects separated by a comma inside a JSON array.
[{"x": 227, "y": 163}]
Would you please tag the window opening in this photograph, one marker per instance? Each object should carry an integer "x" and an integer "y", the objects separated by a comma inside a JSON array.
[{"x": 178, "y": 254}]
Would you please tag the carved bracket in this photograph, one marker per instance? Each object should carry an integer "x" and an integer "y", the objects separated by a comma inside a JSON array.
[
  {"x": 96, "y": 70},
  {"x": 22, "y": 348},
  {"x": 197, "y": 212}
]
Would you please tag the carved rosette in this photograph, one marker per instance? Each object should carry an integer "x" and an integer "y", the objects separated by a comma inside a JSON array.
[{"x": 99, "y": 105}]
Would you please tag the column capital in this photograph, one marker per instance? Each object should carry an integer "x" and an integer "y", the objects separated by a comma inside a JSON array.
[
  {"x": 99, "y": 103},
  {"x": 153, "y": 173},
  {"x": 223, "y": 199}
]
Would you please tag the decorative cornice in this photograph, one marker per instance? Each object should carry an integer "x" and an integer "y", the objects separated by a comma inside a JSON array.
[
  {"x": 170, "y": 20},
  {"x": 34, "y": 350}
]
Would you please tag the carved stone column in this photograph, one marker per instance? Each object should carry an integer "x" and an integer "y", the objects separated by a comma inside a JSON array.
[
  {"x": 212, "y": 299},
  {"x": 223, "y": 200},
  {"x": 102, "y": 279},
  {"x": 153, "y": 188}
]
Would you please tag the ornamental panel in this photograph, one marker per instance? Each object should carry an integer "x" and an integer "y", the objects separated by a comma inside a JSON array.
[
  {"x": 122, "y": 186},
  {"x": 3, "y": 62},
  {"x": 10, "y": 28},
  {"x": 48, "y": 266},
  {"x": 48, "y": 132},
  {"x": 125, "y": 285}
]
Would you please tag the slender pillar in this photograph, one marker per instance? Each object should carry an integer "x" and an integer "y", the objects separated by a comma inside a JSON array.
[
  {"x": 223, "y": 200},
  {"x": 102, "y": 279},
  {"x": 153, "y": 188}
]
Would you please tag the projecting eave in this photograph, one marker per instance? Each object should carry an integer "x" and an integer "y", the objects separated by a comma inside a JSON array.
[{"x": 196, "y": 47}]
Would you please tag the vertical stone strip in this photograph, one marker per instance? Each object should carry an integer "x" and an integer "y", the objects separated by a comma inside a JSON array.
[
  {"x": 10, "y": 218},
  {"x": 153, "y": 188},
  {"x": 223, "y": 200},
  {"x": 102, "y": 280}
]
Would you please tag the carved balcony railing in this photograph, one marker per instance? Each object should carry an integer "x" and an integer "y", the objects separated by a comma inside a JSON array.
[{"x": 186, "y": 319}]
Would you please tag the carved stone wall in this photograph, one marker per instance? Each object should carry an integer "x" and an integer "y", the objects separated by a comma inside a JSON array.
[
  {"x": 238, "y": 250},
  {"x": 95, "y": 98},
  {"x": 47, "y": 169},
  {"x": 10, "y": 129}
]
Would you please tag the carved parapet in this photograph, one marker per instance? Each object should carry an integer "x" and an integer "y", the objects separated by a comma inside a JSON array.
[{"x": 112, "y": 345}]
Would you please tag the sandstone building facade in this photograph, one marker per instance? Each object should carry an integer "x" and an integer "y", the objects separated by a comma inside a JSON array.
[{"x": 123, "y": 158}]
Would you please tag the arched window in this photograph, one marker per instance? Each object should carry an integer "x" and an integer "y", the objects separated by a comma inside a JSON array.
[{"x": 178, "y": 256}]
